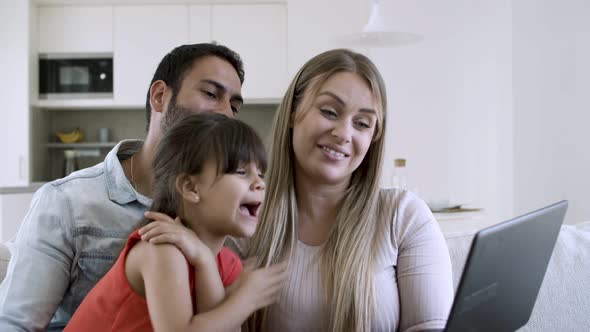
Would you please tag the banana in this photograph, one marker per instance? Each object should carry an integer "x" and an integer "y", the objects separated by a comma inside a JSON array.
[{"x": 70, "y": 137}]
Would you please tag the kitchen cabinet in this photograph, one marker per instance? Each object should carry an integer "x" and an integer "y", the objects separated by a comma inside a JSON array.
[
  {"x": 142, "y": 36},
  {"x": 258, "y": 32},
  {"x": 141, "y": 33},
  {"x": 13, "y": 208},
  {"x": 14, "y": 93},
  {"x": 199, "y": 24},
  {"x": 76, "y": 29},
  {"x": 139, "y": 36}
]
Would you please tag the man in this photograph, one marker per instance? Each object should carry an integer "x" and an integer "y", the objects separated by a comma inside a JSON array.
[{"x": 77, "y": 225}]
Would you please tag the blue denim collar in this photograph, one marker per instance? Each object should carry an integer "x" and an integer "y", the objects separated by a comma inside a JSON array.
[{"x": 119, "y": 188}]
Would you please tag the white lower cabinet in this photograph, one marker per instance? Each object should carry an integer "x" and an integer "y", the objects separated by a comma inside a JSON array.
[
  {"x": 14, "y": 93},
  {"x": 13, "y": 208}
]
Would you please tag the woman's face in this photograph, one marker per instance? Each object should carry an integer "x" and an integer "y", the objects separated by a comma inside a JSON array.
[{"x": 332, "y": 135}]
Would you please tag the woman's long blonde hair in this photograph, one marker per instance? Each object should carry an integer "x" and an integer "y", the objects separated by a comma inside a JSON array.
[{"x": 347, "y": 257}]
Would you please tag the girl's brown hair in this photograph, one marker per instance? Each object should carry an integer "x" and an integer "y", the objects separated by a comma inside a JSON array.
[{"x": 194, "y": 140}]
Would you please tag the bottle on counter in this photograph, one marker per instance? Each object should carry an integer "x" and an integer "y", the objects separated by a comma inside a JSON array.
[
  {"x": 399, "y": 178},
  {"x": 71, "y": 162}
]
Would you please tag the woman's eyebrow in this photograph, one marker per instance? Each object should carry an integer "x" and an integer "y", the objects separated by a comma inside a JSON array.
[
  {"x": 368, "y": 110},
  {"x": 333, "y": 95},
  {"x": 341, "y": 102}
]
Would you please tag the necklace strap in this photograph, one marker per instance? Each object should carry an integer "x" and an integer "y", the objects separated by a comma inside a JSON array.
[{"x": 132, "y": 180}]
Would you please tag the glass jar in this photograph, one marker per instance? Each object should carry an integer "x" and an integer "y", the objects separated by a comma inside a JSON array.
[{"x": 399, "y": 178}]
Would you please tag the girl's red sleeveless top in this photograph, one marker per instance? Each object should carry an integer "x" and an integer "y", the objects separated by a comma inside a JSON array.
[{"x": 113, "y": 306}]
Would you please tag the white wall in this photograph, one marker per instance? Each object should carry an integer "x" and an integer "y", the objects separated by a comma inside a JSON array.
[
  {"x": 315, "y": 26},
  {"x": 551, "y": 74},
  {"x": 450, "y": 100}
]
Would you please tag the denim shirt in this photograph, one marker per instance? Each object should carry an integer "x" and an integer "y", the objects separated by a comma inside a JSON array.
[{"x": 72, "y": 234}]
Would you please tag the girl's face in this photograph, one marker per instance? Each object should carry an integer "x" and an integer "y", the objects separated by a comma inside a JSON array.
[
  {"x": 332, "y": 136},
  {"x": 228, "y": 203}
]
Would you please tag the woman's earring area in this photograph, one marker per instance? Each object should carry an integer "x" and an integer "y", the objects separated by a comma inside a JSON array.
[{"x": 197, "y": 198}]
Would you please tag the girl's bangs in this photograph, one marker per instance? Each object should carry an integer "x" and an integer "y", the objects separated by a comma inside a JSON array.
[{"x": 238, "y": 148}]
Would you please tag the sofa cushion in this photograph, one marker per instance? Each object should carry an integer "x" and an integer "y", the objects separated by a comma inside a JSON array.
[{"x": 563, "y": 303}]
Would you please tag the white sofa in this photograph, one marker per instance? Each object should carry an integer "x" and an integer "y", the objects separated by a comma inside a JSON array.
[{"x": 563, "y": 303}]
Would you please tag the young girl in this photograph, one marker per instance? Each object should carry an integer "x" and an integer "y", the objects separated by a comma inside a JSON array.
[{"x": 208, "y": 176}]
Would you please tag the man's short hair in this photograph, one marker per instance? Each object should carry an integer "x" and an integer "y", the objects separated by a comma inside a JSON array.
[{"x": 174, "y": 66}]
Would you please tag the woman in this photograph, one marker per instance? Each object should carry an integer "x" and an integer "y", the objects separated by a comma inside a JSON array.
[{"x": 360, "y": 258}]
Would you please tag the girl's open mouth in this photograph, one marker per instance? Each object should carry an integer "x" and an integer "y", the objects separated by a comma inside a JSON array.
[{"x": 250, "y": 209}]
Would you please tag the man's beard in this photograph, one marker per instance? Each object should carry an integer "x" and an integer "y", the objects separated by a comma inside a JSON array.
[{"x": 173, "y": 114}]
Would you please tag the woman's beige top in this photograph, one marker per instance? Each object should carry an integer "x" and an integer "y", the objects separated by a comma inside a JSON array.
[{"x": 413, "y": 285}]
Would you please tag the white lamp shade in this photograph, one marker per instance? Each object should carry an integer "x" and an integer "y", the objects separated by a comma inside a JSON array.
[{"x": 375, "y": 33}]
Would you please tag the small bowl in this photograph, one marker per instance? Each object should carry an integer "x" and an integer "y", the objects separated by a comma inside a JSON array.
[{"x": 439, "y": 204}]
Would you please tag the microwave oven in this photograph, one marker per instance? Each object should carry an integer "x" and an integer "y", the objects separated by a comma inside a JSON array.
[{"x": 63, "y": 76}]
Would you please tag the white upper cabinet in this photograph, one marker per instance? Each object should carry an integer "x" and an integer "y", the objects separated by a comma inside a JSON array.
[
  {"x": 258, "y": 32},
  {"x": 76, "y": 29},
  {"x": 142, "y": 36},
  {"x": 139, "y": 35},
  {"x": 199, "y": 24}
]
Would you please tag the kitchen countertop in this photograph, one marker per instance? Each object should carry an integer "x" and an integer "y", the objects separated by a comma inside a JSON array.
[{"x": 31, "y": 188}]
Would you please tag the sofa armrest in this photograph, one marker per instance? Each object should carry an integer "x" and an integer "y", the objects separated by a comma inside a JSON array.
[
  {"x": 563, "y": 302},
  {"x": 4, "y": 258}
]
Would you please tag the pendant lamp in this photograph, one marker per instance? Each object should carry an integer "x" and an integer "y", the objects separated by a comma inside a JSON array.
[{"x": 376, "y": 34}]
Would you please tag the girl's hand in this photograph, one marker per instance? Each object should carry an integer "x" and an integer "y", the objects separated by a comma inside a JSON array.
[
  {"x": 259, "y": 287},
  {"x": 167, "y": 230}
]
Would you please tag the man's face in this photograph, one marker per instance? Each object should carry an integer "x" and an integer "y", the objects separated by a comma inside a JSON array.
[{"x": 210, "y": 85}]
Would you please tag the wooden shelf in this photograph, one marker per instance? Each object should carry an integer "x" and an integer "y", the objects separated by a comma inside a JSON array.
[
  {"x": 84, "y": 145},
  {"x": 83, "y": 105},
  {"x": 109, "y": 104}
]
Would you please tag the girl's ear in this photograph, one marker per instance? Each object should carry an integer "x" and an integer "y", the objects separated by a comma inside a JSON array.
[{"x": 186, "y": 186}]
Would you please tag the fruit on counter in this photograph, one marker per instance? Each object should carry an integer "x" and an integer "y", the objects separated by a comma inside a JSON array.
[{"x": 70, "y": 137}]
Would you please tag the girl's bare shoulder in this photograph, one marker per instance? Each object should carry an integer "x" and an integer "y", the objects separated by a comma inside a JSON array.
[{"x": 146, "y": 258}]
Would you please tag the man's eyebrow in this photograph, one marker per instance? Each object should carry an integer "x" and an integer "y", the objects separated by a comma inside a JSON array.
[
  {"x": 340, "y": 101},
  {"x": 223, "y": 89},
  {"x": 216, "y": 84}
]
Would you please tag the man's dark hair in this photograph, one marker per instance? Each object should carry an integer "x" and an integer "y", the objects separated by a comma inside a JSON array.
[{"x": 175, "y": 65}]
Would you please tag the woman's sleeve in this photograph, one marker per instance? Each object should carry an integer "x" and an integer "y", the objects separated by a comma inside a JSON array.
[{"x": 423, "y": 269}]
